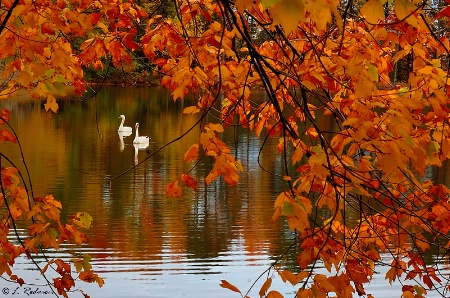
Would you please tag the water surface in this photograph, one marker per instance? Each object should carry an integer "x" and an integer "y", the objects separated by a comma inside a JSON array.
[{"x": 143, "y": 243}]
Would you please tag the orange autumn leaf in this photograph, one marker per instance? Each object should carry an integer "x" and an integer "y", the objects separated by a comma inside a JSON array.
[
  {"x": 312, "y": 132},
  {"x": 4, "y": 115},
  {"x": 189, "y": 181},
  {"x": 225, "y": 284},
  {"x": 90, "y": 277},
  {"x": 274, "y": 294},
  {"x": 174, "y": 190},
  {"x": 265, "y": 287},
  {"x": 6, "y": 136},
  {"x": 192, "y": 153}
]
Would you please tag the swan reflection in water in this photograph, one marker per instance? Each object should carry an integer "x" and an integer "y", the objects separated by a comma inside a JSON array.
[
  {"x": 138, "y": 147},
  {"x": 122, "y": 135}
]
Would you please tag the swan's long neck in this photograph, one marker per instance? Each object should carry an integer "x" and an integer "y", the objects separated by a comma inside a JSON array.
[
  {"x": 121, "y": 123},
  {"x": 137, "y": 133}
]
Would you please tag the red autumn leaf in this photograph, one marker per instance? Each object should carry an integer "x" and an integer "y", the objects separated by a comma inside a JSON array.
[
  {"x": 189, "y": 181},
  {"x": 5, "y": 136},
  {"x": 17, "y": 279},
  {"x": 174, "y": 190},
  {"x": 88, "y": 276},
  {"x": 426, "y": 279},
  {"x": 444, "y": 13},
  {"x": 375, "y": 183},
  {"x": 48, "y": 28},
  {"x": 4, "y": 116}
]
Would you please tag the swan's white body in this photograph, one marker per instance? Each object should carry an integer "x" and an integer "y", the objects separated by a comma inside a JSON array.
[
  {"x": 124, "y": 129},
  {"x": 140, "y": 139}
]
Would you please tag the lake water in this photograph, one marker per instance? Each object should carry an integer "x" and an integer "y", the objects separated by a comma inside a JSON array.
[{"x": 142, "y": 243}]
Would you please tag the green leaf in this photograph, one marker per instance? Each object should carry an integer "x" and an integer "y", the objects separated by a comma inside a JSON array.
[
  {"x": 86, "y": 262},
  {"x": 60, "y": 79},
  {"x": 373, "y": 71},
  {"x": 85, "y": 218},
  {"x": 287, "y": 209},
  {"x": 49, "y": 73},
  {"x": 432, "y": 147}
]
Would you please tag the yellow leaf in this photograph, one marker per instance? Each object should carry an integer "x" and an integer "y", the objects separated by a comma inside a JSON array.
[
  {"x": 191, "y": 110},
  {"x": 51, "y": 105},
  {"x": 25, "y": 78},
  {"x": 242, "y": 5},
  {"x": 288, "y": 13},
  {"x": 229, "y": 286},
  {"x": 297, "y": 155},
  {"x": 403, "y": 10},
  {"x": 373, "y": 11},
  {"x": 215, "y": 127}
]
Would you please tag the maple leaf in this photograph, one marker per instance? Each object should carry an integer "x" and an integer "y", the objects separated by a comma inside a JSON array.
[
  {"x": 373, "y": 11},
  {"x": 88, "y": 276},
  {"x": 287, "y": 13},
  {"x": 84, "y": 220},
  {"x": 4, "y": 116},
  {"x": 48, "y": 28},
  {"x": 192, "y": 153},
  {"x": 191, "y": 110},
  {"x": 189, "y": 181},
  {"x": 404, "y": 10},
  {"x": 443, "y": 13},
  {"x": 174, "y": 190},
  {"x": 265, "y": 287},
  {"x": 19, "y": 280},
  {"x": 225, "y": 284},
  {"x": 51, "y": 104},
  {"x": 274, "y": 294},
  {"x": 311, "y": 132},
  {"x": 6, "y": 136}
]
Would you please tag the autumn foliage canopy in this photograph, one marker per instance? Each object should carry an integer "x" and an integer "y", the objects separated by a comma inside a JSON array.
[{"x": 377, "y": 70}]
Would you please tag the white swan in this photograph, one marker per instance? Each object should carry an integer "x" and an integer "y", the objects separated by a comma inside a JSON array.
[
  {"x": 140, "y": 139},
  {"x": 124, "y": 129}
]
